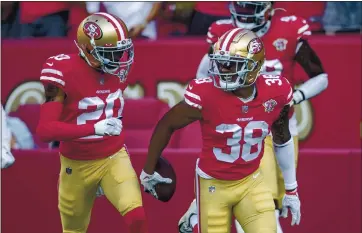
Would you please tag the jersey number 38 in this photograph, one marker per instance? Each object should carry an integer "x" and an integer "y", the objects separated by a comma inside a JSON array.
[{"x": 248, "y": 149}]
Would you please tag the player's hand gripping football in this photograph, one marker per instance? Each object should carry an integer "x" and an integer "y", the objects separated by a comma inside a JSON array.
[
  {"x": 149, "y": 182},
  {"x": 291, "y": 201},
  {"x": 110, "y": 126}
]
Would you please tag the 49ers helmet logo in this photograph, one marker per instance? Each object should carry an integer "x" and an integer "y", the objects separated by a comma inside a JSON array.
[
  {"x": 255, "y": 46},
  {"x": 92, "y": 30}
]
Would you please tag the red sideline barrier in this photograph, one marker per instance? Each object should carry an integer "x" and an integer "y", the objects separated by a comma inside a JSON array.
[
  {"x": 330, "y": 190},
  {"x": 163, "y": 67}
]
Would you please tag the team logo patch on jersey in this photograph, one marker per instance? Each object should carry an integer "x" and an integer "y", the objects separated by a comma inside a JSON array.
[
  {"x": 280, "y": 44},
  {"x": 212, "y": 189},
  {"x": 269, "y": 105},
  {"x": 245, "y": 109},
  {"x": 255, "y": 46},
  {"x": 92, "y": 30}
]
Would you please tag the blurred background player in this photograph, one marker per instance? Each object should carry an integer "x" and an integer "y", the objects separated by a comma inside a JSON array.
[
  {"x": 286, "y": 43},
  {"x": 138, "y": 16},
  {"x": 236, "y": 109},
  {"x": 84, "y": 104}
]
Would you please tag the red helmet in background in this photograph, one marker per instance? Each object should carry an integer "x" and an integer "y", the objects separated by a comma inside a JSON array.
[{"x": 250, "y": 15}]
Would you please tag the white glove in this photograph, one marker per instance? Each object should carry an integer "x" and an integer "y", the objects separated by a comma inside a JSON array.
[
  {"x": 99, "y": 191},
  {"x": 7, "y": 158},
  {"x": 291, "y": 201},
  {"x": 298, "y": 97},
  {"x": 149, "y": 182},
  {"x": 111, "y": 127}
]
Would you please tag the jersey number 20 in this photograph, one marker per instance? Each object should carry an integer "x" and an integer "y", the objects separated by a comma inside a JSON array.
[
  {"x": 238, "y": 149},
  {"x": 101, "y": 106}
]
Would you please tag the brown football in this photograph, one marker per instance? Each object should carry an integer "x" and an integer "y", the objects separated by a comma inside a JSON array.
[{"x": 165, "y": 169}]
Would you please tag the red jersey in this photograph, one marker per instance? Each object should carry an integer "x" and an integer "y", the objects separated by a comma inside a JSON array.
[
  {"x": 91, "y": 96},
  {"x": 280, "y": 42},
  {"x": 233, "y": 130}
]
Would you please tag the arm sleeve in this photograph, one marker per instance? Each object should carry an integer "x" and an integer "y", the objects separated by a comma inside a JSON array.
[
  {"x": 286, "y": 161},
  {"x": 54, "y": 72},
  {"x": 51, "y": 129},
  {"x": 211, "y": 36},
  {"x": 286, "y": 91},
  {"x": 285, "y": 153},
  {"x": 302, "y": 29},
  {"x": 310, "y": 62},
  {"x": 314, "y": 86},
  {"x": 193, "y": 93}
]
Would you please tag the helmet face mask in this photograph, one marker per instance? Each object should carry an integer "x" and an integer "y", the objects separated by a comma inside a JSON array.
[
  {"x": 103, "y": 42},
  {"x": 236, "y": 60},
  {"x": 250, "y": 15},
  {"x": 230, "y": 72},
  {"x": 115, "y": 60}
]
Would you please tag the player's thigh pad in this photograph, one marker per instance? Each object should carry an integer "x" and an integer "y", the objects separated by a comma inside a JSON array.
[
  {"x": 120, "y": 183},
  {"x": 78, "y": 182},
  {"x": 255, "y": 211},
  {"x": 214, "y": 205},
  {"x": 281, "y": 188},
  {"x": 269, "y": 167}
]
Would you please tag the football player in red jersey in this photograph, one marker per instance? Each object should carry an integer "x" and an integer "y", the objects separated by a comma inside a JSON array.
[
  {"x": 286, "y": 43},
  {"x": 84, "y": 103},
  {"x": 237, "y": 109}
]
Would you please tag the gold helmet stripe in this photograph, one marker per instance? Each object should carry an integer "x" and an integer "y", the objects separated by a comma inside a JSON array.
[
  {"x": 115, "y": 23},
  {"x": 225, "y": 44}
]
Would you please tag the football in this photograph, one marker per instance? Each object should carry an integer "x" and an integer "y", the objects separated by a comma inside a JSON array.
[{"x": 165, "y": 169}]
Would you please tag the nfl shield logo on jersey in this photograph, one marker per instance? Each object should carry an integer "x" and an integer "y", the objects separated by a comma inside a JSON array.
[
  {"x": 244, "y": 109},
  {"x": 68, "y": 170},
  {"x": 269, "y": 105},
  {"x": 280, "y": 44},
  {"x": 212, "y": 189}
]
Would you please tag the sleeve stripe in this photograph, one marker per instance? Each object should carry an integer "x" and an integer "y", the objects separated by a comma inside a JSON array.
[
  {"x": 298, "y": 47},
  {"x": 290, "y": 93},
  {"x": 302, "y": 29},
  {"x": 209, "y": 41},
  {"x": 53, "y": 79},
  {"x": 308, "y": 33},
  {"x": 210, "y": 35},
  {"x": 192, "y": 95},
  {"x": 52, "y": 71},
  {"x": 192, "y": 104}
]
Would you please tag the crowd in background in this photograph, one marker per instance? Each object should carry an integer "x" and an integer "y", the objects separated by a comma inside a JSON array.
[{"x": 154, "y": 20}]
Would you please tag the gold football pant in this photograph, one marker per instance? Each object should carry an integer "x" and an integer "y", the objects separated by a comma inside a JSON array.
[
  {"x": 273, "y": 176},
  {"x": 78, "y": 182},
  {"x": 249, "y": 200}
]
